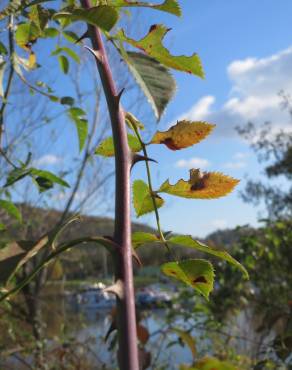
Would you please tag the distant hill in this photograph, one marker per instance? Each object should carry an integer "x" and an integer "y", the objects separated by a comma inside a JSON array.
[{"x": 92, "y": 260}]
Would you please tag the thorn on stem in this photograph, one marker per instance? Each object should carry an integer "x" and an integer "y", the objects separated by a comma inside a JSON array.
[
  {"x": 139, "y": 158},
  {"x": 95, "y": 53},
  {"x": 117, "y": 288},
  {"x": 118, "y": 97},
  {"x": 84, "y": 36}
]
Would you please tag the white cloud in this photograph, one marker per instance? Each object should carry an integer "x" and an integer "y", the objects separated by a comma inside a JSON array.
[
  {"x": 219, "y": 224},
  {"x": 194, "y": 162},
  {"x": 254, "y": 94},
  {"x": 241, "y": 155},
  {"x": 236, "y": 165},
  {"x": 48, "y": 159}
]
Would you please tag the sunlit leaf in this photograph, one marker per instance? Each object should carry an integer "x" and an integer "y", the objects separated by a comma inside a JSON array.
[
  {"x": 188, "y": 241},
  {"x": 207, "y": 185},
  {"x": 196, "y": 273},
  {"x": 71, "y": 53},
  {"x": 51, "y": 32},
  {"x": 39, "y": 16},
  {"x": 26, "y": 33},
  {"x": 154, "y": 79},
  {"x": 106, "y": 147},
  {"x": 142, "y": 200},
  {"x": 77, "y": 116},
  {"x": 11, "y": 209},
  {"x": 152, "y": 45},
  {"x": 211, "y": 363},
  {"x": 183, "y": 134},
  {"x": 3, "y": 49},
  {"x": 188, "y": 340},
  {"x": 64, "y": 63},
  {"x": 169, "y": 6},
  {"x": 139, "y": 238},
  {"x": 104, "y": 17}
]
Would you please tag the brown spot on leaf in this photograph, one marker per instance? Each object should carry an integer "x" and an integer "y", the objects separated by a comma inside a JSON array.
[
  {"x": 172, "y": 272},
  {"x": 170, "y": 144},
  {"x": 200, "y": 279},
  {"x": 152, "y": 28}
]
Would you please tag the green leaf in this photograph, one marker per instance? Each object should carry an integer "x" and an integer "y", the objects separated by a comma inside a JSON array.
[
  {"x": 169, "y": 6},
  {"x": 46, "y": 179},
  {"x": 189, "y": 242},
  {"x": 210, "y": 363},
  {"x": 209, "y": 185},
  {"x": 143, "y": 202},
  {"x": 152, "y": 45},
  {"x": 139, "y": 238},
  {"x": 154, "y": 79},
  {"x": 51, "y": 32},
  {"x": 104, "y": 17},
  {"x": 106, "y": 147},
  {"x": 11, "y": 209},
  {"x": 2, "y": 227},
  {"x": 39, "y": 16},
  {"x": 67, "y": 100},
  {"x": 16, "y": 175},
  {"x": 64, "y": 63},
  {"x": 196, "y": 273},
  {"x": 71, "y": 53},
  {"x": 70, "y": 36},
  {"x": 26, "y": 33},
  {"x": 3, "y": 50},
  {"x": 77, "y": 116}
]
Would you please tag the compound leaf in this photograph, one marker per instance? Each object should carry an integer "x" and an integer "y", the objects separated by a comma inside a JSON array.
[
  {"x": 106, "y": 147},
  {"x": 143, "y": 202},
  {"x": 103, "y": 16},
  {"x": 189, "y": 242},
  {"x": 196, "y": 273},
  {"x": 208, "y": 185},
  {"x": 152, "y": 45},
  {"x": 183, "y": 134}
]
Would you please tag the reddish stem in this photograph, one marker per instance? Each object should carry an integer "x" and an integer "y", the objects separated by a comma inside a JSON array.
[{"x": 126, "y": 316}]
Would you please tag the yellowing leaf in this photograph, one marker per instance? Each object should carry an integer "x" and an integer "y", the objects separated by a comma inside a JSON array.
[
  {"x": 197, "y": 273},
  {"x": 32, "y": 61},
  {"x": 208, "y": 185},
  {"x": 169, "y": 6},
  {"x": 183, "y": 134},
  {"x": 188, "y": 339},
  {"x": 152, "y": 45},
  {"x": 189, "y": 242},
  {"x": 106, "y": 147},
  {"x": 212, "y": 363},
  {"x": 143, "y": 202}
]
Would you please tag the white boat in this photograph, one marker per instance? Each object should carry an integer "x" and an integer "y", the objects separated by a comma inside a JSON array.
[{"x": 93, "y": 296}]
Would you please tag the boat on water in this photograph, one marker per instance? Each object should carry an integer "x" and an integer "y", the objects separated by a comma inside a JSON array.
[{"x": 93, "y": 296}]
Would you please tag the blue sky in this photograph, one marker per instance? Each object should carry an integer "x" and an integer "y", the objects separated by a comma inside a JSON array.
[
  {"x": 246, "y": 50},
  {"x": 245, "y": 47}
]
